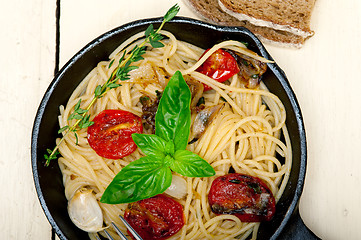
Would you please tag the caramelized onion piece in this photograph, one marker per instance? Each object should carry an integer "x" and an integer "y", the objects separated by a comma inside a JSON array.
[
  {"x": 144, "y": 74},
  {"x": 163, "y": 77},
  {"x": 178, "y": 187},
  {"x": 196, "y": 88}
]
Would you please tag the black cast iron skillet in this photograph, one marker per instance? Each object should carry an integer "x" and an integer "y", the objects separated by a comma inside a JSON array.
[{"x": 286, "y": 224}]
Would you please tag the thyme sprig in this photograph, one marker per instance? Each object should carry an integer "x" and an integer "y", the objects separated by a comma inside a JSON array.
[{"x": 120, "y": 73}]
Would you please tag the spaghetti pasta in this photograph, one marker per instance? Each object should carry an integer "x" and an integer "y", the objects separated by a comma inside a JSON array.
[{"x": 244, "y": 136}]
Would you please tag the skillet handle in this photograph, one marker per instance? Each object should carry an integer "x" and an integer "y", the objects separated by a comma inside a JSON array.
[{"x": 296, "y": 229}]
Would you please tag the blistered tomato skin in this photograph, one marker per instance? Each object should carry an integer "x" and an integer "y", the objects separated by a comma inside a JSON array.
[
  {"x": 155, "y": 218},
  {"x": 111, "y": 134},
  {"x": 241, "y": 195},
  {"x": 220, "y": 66}
]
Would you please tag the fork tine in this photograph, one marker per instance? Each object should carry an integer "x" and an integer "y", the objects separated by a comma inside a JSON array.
[
  {"x": 131, "y": 230},
  {"x": 108, "y": 235},
  {"x": 120, "y": 233},
  {"x": 122, "y": 236}
]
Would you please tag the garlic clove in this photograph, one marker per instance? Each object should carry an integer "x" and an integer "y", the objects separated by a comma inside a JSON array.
[
  {"x": 85, "y": 212},
  {"x": 178, "y": 187}
]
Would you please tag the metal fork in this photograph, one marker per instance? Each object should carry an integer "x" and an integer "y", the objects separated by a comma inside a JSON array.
[{"x": 122, "y": 236}]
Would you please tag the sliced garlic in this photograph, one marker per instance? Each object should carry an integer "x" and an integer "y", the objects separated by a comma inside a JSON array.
[
  {"x": 178, "y": 187},
  {"x": 84, "y": 211}
]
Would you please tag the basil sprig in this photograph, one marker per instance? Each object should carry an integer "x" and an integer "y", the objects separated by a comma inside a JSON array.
[{"x": 166, "y": 151}]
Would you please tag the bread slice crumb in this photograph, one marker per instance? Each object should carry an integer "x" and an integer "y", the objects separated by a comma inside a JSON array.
[
  {"x": 211, "y": 11},
  {"x": 286, "y": 15}
]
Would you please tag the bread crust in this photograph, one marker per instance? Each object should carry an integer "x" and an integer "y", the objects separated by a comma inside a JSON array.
[
  {"x": 210, "y": 11},
  {"x": 286, "y": 15}
]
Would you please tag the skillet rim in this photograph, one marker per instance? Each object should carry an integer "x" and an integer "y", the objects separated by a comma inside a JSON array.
[{"x": 280, "y": 75}]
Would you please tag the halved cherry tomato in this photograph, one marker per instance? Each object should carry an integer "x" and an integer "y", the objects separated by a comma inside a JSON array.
[
  {"x": 155, "y": 218},
  {"x": 111, "y": 134},
  {"x": 220, "y": 66},
  {"x": 244, "y": 196}
]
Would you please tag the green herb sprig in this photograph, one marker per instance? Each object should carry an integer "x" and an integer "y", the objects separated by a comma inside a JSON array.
[
  {"x": 165, "y": 150},
  {"x": 121, "y": 73}
]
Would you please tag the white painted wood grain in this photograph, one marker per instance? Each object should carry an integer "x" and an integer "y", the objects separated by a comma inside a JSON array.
[
  {"x": 82, "y": 20},
  {"x": 27, "y": 63},
  {"x": 325, "y": 77}
]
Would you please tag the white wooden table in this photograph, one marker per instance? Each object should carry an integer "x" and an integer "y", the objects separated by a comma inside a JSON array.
[{"x": 325, "y": 75}]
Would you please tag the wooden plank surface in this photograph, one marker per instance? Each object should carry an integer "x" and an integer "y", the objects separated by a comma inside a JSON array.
[
  {"x": 323, "y": 74},
  {"x": 27, "y": 65},
  {"x": 324, "y": 77}
]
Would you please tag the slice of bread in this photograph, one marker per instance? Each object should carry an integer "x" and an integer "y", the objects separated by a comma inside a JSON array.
[
  {"x": 211, "y": 11},
  {"x": 286, "y": 15}
]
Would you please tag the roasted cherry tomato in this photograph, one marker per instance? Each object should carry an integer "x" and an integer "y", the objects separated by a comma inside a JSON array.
[
  {"x": 220, "y": 66},
  {"x": 244, "y": 196},
  {"x": 155, "y": 218},
  {"x": 111, "y": 134}
]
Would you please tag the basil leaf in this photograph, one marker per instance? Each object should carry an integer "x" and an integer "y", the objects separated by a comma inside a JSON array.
[
  {"x": 169, "y": 148},
  {"x": 151, "y": 145},
  {"x": 173, "y": 117},
  {"x": 143, "y": 178},
  {"x": 190, "y": 164}
]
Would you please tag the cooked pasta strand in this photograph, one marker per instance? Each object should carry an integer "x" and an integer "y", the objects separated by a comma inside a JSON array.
[{"x": 245, "y": 136}]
